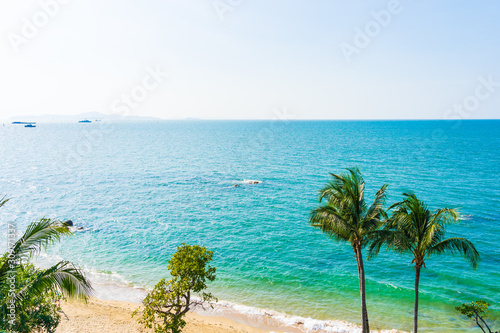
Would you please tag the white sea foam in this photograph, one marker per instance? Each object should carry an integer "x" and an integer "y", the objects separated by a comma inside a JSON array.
[
  {"x": 251, "y": 181},
  {"x": 78, "y": 229},
  {"x": 274, "y": 319},
  {"x": 114, "y": 287}
]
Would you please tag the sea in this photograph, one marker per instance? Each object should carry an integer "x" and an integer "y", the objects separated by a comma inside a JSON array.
[{"x": 137, "y": 190}]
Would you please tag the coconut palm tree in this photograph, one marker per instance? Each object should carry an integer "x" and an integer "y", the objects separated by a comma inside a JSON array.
[
  {"x": 345, "y": 216},
  {"x": 413, "y": 228},
  {"x": 63, "y": 277}
]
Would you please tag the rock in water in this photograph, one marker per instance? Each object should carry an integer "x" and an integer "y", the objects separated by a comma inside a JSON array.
[{"x": 69, "y": 223}]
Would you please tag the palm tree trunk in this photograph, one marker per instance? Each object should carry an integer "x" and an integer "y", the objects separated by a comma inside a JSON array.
[
  {"x": 361, "y": 274},
  {"x": 415, "y": 315}
]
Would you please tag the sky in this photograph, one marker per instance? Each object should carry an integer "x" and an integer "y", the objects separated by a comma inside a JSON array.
[{"x": 251, "y": 59}]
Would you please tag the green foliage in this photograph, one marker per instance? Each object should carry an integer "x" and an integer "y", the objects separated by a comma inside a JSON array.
[
  {"x": 38, "y": 311},
  {"x": 473, "y": 309},
  {"x": 28, "y": 294},
  {"x": 346, "y": 216},
  {"x": 166, "y": 305},
  {"x": 477, "y": 311},
  {"x": 414, "y": 228}
]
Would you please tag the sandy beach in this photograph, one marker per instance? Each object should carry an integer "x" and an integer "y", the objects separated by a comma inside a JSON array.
[
  {"x": 98, "y": 316},
  {"x": 106, "y": 316}
]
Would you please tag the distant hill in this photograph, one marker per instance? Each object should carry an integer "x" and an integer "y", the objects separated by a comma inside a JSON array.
[{"x": 92, "y": 116}]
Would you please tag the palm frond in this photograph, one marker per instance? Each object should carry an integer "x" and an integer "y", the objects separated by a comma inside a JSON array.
[
  {"x": 378, "y": 239},
  {"x": 330, "y": 192},
  {"x": 370, "y": 225},
  {"x": 63, "y": 277},
  {"x": 331, "y": 222},
  {"x": 345, "y": 214},
  {"x": 392, "y": 239},
  {"x": 445, "y": 216},
  {"x": 376, "y": 208},
  {"x": 432, "y": 233},
  {"x": 457, "y": 246},
  {"x": 38, "y": 236},
  {"x": 3, "y": 201},
  {"x": 424, "y": 231}
]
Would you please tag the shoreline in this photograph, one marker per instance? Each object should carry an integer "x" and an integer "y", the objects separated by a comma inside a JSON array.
[
  {"x": 112, "y": 291},
  {"x": 115, "y": 317},
  {"x": 111, "y": 316}
]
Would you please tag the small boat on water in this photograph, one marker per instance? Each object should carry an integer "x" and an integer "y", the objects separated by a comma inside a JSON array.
[
  {"x": 85, "y": 121},
  {"x": 30, "y": 125}
]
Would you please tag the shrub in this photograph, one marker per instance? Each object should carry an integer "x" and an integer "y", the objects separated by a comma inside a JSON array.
[{"x": 166, "y": 305}]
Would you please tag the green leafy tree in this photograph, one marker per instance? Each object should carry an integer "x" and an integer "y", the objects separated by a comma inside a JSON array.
[
  {"x": 477, "y": 311},
  {"x": 166, "y": 305},
  {"x": 345, "y": 216},
  {"x": 27, "y": 293},
  {"x": 413, "y": 228}
]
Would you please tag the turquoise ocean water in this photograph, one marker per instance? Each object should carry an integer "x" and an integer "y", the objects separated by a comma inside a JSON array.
[{"x": 141, "y": 189}]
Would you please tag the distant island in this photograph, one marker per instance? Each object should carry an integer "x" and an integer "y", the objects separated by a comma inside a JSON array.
[{"x": 87, "y": 117}]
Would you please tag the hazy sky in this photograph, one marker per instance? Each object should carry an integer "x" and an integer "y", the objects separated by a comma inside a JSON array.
[{"x": 326, "y": 59}]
